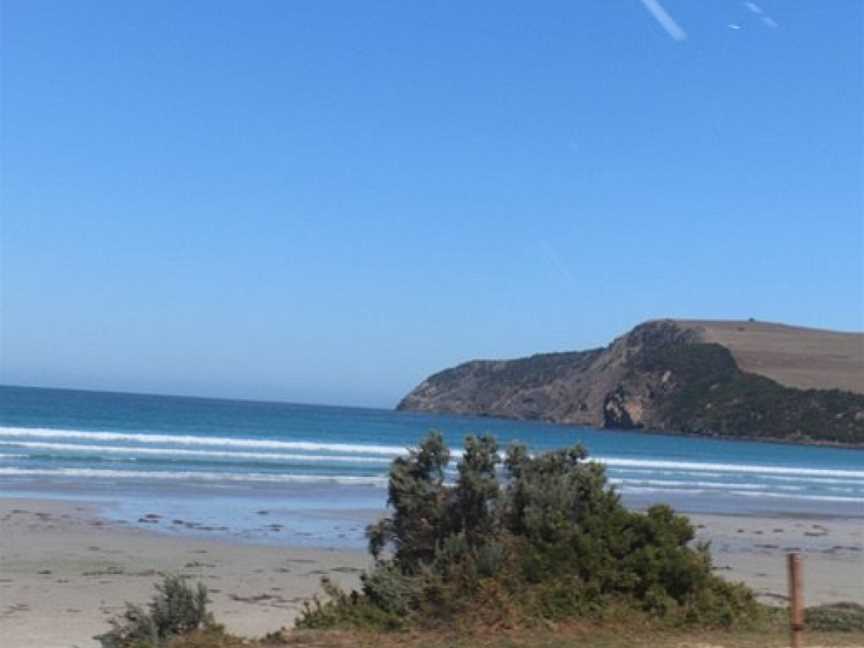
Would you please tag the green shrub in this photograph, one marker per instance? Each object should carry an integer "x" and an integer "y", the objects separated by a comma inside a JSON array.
[
  {"x": 546, "y": 538},
  {"x": 351, "y": 610},
  {"x": 176, "y": 609}
]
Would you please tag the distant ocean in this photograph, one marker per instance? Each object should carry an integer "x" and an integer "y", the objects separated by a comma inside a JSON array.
[{"x": 308, "y": 474}]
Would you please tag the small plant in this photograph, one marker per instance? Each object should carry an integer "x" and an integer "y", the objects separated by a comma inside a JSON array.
[{"x": 176, "y": 609}]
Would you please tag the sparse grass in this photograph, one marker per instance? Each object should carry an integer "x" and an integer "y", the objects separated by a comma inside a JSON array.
[
  {"x": 833, "y": 626},
  {"x": 212, "y": 638},
  {"x": 839, "y": 617},
  {"x": 177, "y": 609},
  {"x": 557, "y": 636}
]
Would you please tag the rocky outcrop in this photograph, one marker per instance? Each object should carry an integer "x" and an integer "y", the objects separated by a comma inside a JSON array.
[
  {"x": 582, "y": 388},
  {"x": 660, "y": 376}
]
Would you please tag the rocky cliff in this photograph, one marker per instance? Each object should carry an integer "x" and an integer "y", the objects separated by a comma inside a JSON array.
[{"x": 661, "y": 376}]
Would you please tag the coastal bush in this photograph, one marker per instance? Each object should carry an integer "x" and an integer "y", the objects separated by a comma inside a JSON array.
[
  {"x": 176, "y": 609},
  {"x": 539, "y": 537}
]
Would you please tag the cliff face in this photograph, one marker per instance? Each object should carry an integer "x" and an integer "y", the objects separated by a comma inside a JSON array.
[{"x": 661, "y": 376}]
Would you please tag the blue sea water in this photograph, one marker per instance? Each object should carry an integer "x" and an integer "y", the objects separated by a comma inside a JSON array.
[{"x": 308, "y": 474}]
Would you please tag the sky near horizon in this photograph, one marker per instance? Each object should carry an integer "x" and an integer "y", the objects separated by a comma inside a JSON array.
[{"x": 322, "y": 201}]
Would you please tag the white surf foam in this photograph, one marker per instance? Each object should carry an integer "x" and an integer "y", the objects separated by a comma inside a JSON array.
[
  {"x": 814, "y": 498},
  {"x": 730, "y": 468},
  {"x": 95, "y": 473},
  {"x": 818, "y": 480},
  {"x": 672, "y": 483},
  {"x": 311, "y": 446},
  {"x": 393, "y": 451},
  {"x": 181, "y": 452},
  {"x": 652, "y": 490},
  {"x": 644, "y": 490}
]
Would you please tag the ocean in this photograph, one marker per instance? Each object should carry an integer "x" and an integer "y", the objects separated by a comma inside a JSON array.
[{"x": 316, "y": 475}]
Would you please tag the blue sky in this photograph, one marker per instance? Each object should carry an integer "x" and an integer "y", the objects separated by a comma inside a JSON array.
[{"x": 326, "y": 201}]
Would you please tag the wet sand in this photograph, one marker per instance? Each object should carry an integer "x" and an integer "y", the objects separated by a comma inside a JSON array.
[
  {"x": 64, "y": 570},
  {"x": 753, "y": 549}
]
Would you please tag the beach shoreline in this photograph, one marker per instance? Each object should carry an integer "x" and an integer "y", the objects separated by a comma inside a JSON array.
[{"x": 66, "y": 567}]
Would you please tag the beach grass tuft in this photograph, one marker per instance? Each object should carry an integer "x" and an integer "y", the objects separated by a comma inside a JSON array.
[{"x": 177, "y": 609}]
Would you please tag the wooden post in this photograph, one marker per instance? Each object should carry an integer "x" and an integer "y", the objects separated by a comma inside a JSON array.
[{"x": 796, "y": 604}]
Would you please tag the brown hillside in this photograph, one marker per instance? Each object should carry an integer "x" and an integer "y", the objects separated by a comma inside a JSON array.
[{"x": 793, "y": 356}]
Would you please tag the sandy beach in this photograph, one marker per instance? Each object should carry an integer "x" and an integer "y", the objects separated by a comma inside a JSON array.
[
  {"x": 753, "y": 550},
  {"x": 64, "y": 570}
]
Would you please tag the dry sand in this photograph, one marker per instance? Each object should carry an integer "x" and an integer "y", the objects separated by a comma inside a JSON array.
[{"x": 64, "y": 571}]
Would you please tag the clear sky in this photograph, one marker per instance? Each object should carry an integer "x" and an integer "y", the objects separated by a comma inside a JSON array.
[{"x": 325, "y": 201}]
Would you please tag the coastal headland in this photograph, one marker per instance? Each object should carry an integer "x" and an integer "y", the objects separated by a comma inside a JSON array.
[{"x": 727, "y": 379}]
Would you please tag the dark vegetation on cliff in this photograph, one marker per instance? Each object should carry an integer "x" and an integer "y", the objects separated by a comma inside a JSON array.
[
  {"x": 714, "y": 397},
  {"x": 661, "y": 377},
  {"x": 548, "y": 542}
]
